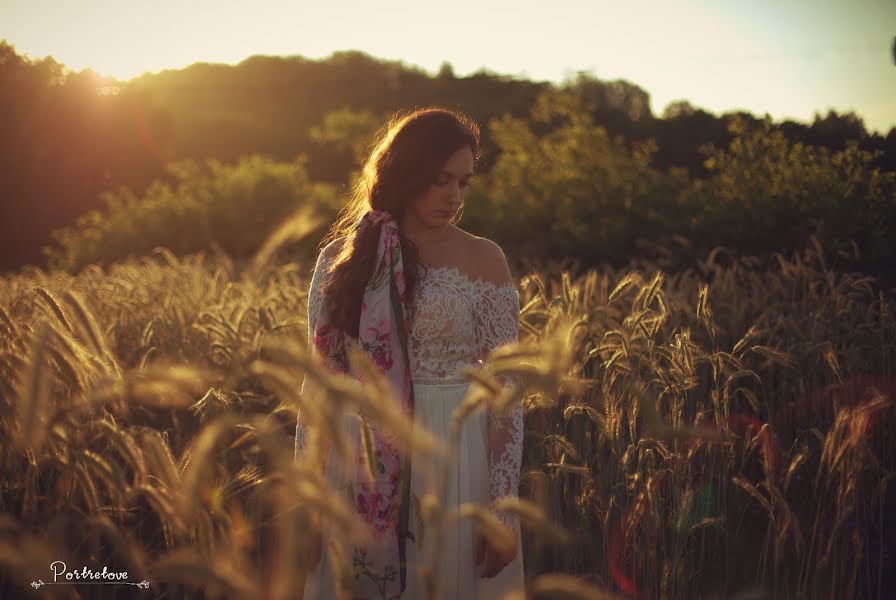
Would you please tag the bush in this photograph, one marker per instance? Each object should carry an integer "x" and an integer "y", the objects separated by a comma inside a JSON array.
[
  {"x": 571, "y": 191},
  {"x": 561, "y": 188},
  {"x": 766, "y": 193},
  {"x": 232, "y": 208}
]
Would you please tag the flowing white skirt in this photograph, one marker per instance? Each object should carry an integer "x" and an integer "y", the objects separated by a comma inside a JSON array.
[{"x": 468, "y": 481}]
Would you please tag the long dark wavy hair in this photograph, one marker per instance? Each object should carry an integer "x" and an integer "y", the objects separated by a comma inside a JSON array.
[{"x": 407, "y": 157}]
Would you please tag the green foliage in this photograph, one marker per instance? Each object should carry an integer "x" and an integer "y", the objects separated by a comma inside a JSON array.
[
  {"x": 767, "y": 193},
  {"x": 561, "y": 187},
  {"x": 210, "y": 206},
  {"x": 571, "y": 191},
  {"x": 348, "y": 129},
  {"x": 67, "y": 140}
]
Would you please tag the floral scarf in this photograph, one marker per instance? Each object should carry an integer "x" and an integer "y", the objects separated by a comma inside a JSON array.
[{"x": 382, "y": 334}]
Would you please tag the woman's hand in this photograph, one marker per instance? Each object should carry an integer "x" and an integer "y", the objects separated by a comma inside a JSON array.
[{"x": 491, "y": 558}]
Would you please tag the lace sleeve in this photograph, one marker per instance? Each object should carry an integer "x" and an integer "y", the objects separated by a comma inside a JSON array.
[
  {"x": 314, "y": 305},
  {"x": 496, "y": 317}
]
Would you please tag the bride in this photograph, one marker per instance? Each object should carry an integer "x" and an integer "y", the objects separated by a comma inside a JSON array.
[{"x": 425, "y": 299}]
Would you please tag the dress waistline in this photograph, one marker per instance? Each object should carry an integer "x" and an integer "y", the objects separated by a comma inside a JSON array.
[{"x": 440, "y": 382}]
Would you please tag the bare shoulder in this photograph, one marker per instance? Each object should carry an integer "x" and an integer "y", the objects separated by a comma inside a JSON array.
[{"x": 487, "y": 261}]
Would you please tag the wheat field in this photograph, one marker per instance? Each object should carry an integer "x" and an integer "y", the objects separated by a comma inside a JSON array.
[{"x": 725, "y": 432}]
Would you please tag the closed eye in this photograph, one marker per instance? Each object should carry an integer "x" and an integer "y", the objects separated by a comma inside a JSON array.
[{"x": 463, "y": 184}]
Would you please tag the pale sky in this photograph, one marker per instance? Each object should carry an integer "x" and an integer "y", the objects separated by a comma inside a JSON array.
[{"x": 788, "y": 58}]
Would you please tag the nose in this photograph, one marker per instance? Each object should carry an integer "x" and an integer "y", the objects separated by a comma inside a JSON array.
[{"x": 455, "y": 196}]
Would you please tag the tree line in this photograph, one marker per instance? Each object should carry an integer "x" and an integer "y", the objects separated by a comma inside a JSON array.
[{"x": 77, "y": 146}]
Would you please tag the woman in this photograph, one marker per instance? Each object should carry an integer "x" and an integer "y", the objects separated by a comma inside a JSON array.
[{"x": 425, "y": 299}]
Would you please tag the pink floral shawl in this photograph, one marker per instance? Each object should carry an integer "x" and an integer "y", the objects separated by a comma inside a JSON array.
[{"x": 380, "y": 568}]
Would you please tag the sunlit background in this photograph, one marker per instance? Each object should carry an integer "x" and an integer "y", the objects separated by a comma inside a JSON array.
[{"x": 789, "y": 59}]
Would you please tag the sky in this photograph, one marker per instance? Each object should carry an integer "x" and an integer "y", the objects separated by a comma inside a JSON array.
[{"x": 788, "y": 58}]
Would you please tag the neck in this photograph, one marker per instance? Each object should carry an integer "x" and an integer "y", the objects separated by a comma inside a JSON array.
[{"x": 420, "y": 234}]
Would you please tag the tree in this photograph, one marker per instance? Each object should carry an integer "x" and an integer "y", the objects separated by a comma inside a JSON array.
[
  {"x": 835, "y": 130},
  {"x": 678, "y": 108},
  {"x": 446, "y": 71}
]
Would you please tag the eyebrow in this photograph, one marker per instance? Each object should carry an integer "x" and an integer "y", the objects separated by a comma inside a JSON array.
[{"x": 470, "y": 174}]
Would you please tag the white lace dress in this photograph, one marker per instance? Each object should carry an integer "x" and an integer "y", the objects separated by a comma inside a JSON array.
[{"x": 456, "y": 322}]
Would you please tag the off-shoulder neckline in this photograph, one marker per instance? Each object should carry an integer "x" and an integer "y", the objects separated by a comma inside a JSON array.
[
  {"x": 465, "y": 276},
  {"x": 473, "y": 281}
]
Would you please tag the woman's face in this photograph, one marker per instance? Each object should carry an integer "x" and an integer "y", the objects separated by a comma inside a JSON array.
[{"x": 438, "y": 205}]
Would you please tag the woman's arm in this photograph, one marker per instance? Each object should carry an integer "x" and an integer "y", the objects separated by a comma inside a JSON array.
[
  {"x": 496, "y": 316},
  {"x": 315, "y": 301}
]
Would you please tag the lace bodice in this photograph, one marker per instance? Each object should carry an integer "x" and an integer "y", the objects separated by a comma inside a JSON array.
[{"x": 455, "y": 322}]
